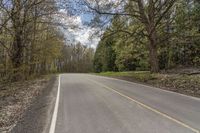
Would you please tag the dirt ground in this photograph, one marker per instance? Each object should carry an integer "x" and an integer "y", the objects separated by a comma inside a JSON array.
[{"x": 15, "y": 98}]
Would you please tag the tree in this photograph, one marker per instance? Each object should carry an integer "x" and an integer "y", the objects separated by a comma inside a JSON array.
[
  {"x": 25, "y": 27},
  {"x": 77, "y": 58},
  {"x": 105, "y": 56},
  {"x": 149, "y": 13}
]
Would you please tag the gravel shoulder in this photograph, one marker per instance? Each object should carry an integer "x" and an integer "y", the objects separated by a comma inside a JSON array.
[{"x": 25, "y": 107}]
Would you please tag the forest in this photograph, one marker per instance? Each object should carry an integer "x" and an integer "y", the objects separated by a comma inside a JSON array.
[
  {"x": 152, "y": 37},
  {"x": 32, "y": 43}
]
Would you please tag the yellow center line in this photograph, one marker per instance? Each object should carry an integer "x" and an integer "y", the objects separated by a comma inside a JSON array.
[{"x": 148, "y": 107}]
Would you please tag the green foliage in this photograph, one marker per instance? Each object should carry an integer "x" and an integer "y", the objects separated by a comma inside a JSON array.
[
  {"x": 105, "y": 55},
  {"x": 178, "y": 42},
  {"x": 131, "y": 57},
  {"x": 183, "y": 45},
  {"x": 29, "y": 43},
  {"x": 121, "y": 53}
]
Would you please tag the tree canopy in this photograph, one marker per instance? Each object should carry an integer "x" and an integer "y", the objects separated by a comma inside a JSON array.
[{"x": 152, "y": 36}]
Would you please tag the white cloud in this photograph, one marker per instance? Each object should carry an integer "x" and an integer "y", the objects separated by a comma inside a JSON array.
[{"x": 76, "y": 31}]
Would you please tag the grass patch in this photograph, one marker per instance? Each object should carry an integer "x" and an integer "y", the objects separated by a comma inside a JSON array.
[{"x": 137, "y": 75}]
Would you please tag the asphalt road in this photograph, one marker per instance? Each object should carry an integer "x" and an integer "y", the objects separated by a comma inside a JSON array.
[{"x": 94, "y": 104}]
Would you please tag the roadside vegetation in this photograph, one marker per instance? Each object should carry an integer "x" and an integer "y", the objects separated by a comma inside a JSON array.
[{"x": 179, "y": 82}]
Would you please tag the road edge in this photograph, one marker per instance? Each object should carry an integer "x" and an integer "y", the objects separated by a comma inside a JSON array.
[
  {"x": 36, "y": 118},
  {"x": 146, "y": 85},
  {"x": 55, "y": 112}
]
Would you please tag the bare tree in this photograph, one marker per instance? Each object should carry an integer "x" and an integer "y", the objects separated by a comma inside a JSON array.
[{"x": 22, "y": 26}]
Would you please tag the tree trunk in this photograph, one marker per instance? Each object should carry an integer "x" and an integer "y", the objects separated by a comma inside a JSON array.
[
  {"x": 153, "y": 55},
  {"x": 148, "y": 19},
  {"x": 17, "y": 51}
]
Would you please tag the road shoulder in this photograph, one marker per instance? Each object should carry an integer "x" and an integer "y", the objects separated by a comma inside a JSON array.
[
  {"x": 37, "y": 117},
  {"x": 179, "y": 83}
]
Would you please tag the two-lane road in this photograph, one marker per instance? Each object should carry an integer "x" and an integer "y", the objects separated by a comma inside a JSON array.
[{"x": 94, "y": 104}]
